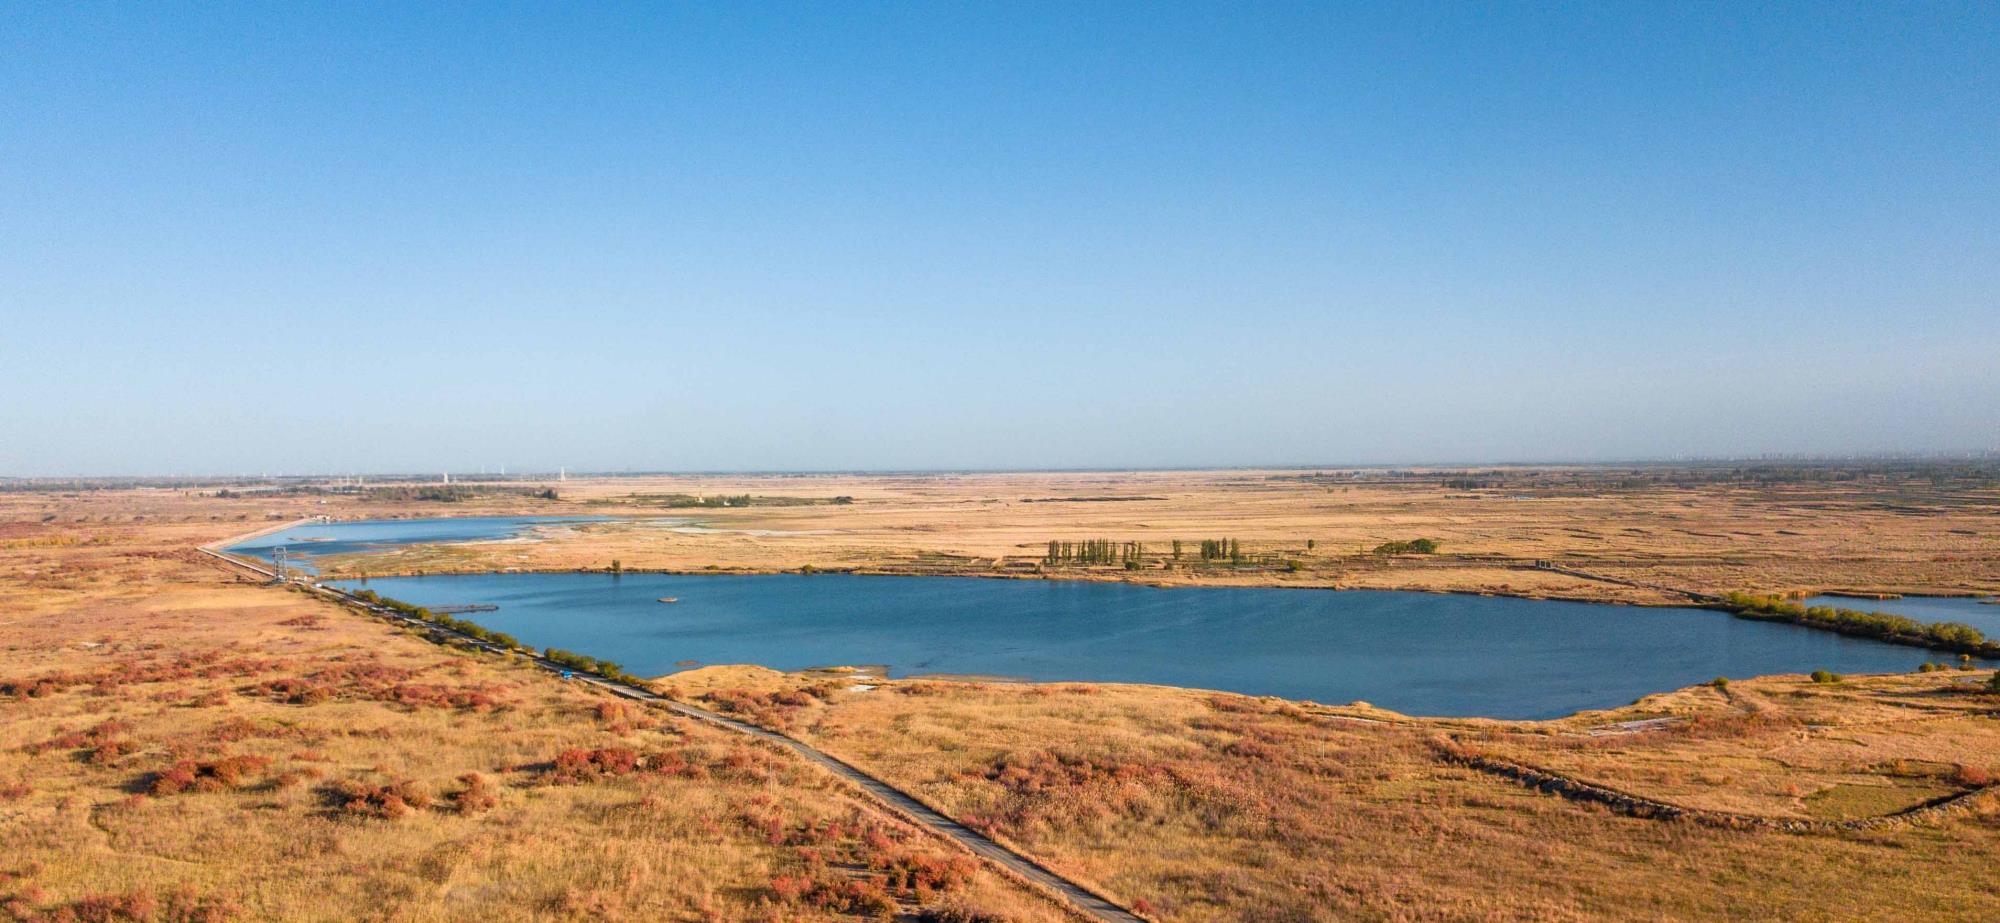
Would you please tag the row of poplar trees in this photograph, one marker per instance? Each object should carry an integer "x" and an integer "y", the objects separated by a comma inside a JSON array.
[
  {"x": 1094, "y": 551},
  {"x": 1106, "y": 551}
]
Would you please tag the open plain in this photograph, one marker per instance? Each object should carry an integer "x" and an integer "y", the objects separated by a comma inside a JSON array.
[
  {"x": 1865, "y": 529},
  {"x": 178, "y": 742}
]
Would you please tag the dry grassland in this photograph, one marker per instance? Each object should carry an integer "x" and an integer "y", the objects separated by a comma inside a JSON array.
[
  {"x": 1881, "y": 535},
  {"x": 177, "y": 745},
  {"x": 1198, "y": 806}
]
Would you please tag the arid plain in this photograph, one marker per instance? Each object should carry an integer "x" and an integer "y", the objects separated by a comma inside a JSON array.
[{"x": 179, "y": 743}]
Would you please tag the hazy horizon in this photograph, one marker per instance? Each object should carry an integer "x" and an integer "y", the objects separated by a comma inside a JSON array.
[
  {"x": 491, "y": 474},
  {"x": 1010, "y": 237}
]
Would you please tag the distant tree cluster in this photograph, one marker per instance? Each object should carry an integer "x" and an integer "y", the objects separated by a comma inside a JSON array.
[
  {"x": 1221, "y": 549},
  {"x": 453, "y": 493},
  {"x": 732, "y": 501},
  {"x": 1413, "y": 546},
  {"x": 1095, "y": 551}
]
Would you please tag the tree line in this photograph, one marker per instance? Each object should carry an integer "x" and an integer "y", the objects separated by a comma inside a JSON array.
[
  {"x": 575, "y": 661},
  {"x": 1882, "y": 626},
  {"x": 1095, "y": 551}
]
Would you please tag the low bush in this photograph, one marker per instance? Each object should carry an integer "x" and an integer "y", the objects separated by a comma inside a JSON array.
[
  {"x": 179, "y": 906},
  {"x": 577, "y": 765},
  {"x": 1413, "y": 546},
  {"x": 475, "y": 797},
  {"x": 215, "y": 775},
  {"x": 387, "y": 802}
]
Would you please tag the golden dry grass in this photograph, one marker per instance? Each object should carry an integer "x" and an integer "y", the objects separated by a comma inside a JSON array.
[
  {"x": 1203, "y": 806},
  {"x": 1190, "y": 805},
  {"x": 1872, "y": 535},
  {"x": 319, "y": 763}
]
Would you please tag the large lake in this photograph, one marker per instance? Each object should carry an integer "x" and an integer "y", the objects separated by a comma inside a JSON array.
[{"x": 1419, "y": 653}]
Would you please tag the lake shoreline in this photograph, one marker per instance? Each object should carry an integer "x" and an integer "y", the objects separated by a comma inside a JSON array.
[{"x": 1189, "y": 583}]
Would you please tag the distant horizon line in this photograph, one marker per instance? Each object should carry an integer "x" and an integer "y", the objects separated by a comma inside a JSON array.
[{"x": 549, "y": 473}]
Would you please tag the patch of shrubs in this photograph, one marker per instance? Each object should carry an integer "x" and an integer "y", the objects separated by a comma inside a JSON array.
[
  {"x": 475, "y": 797},
  {"x": 621, "y": 717},
  {"x": 577, "y": 765},
  {"x": 866, "y": 897},
  {"x": 215, "y": 775},
  {"x": 98, "y": 736},
  {"x": 394, "y": 801},
  {"x": 207, "y": 665},
  {"x": 1826, "y": 677},
  {"x": 854, "y": 866},
  {"x": 376, "y": 682},
  {"x": 1413, "y": 546},
  {"x": 179, "y": 906},
  {"x": 958, "y": 912},
  {"x": 294, "y": 691},
  {"x": 768, "y": 708},
  {"x": 1042, "y": 771}
]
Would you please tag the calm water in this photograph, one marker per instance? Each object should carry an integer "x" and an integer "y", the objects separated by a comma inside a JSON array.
[
  {"x": 303, "y": 543},
  {"x": 1965, "y": 610},
  {"x": 1418, "y": 653}
]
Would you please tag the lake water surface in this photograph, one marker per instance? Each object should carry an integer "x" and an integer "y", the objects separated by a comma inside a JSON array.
[
  {"x": 1419, "y": 653},
  {"x": 302, "y": 543}
]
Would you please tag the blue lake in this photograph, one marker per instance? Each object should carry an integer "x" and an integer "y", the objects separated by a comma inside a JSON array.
[
  {"x": 1419, "y": 653},
  {"x": 304, "y": 542}
]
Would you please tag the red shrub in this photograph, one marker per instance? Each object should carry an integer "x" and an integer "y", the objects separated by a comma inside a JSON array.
[
  {"x": 181, "y": 906},
  {"x": 99, "y": 735},
  {"x": 208, "y": 776},
  {"x": 865, "y": 897},
  {"x": 388, "y": 802},
  {"x": 294, "y": 691},
  {"x": 110, "y": 751},
  {"x": 475, "y": 797},
  {"x": 576, "y": 765}
]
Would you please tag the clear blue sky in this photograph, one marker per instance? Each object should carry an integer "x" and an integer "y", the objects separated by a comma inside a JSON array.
[{"x": 388, "y": 237}]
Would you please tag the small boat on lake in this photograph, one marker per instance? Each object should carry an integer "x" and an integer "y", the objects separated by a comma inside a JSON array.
[{"x": 670, "y": 599}]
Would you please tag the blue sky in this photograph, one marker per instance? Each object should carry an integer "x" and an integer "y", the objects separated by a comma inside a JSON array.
[{"x": 348, "y": 237}]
